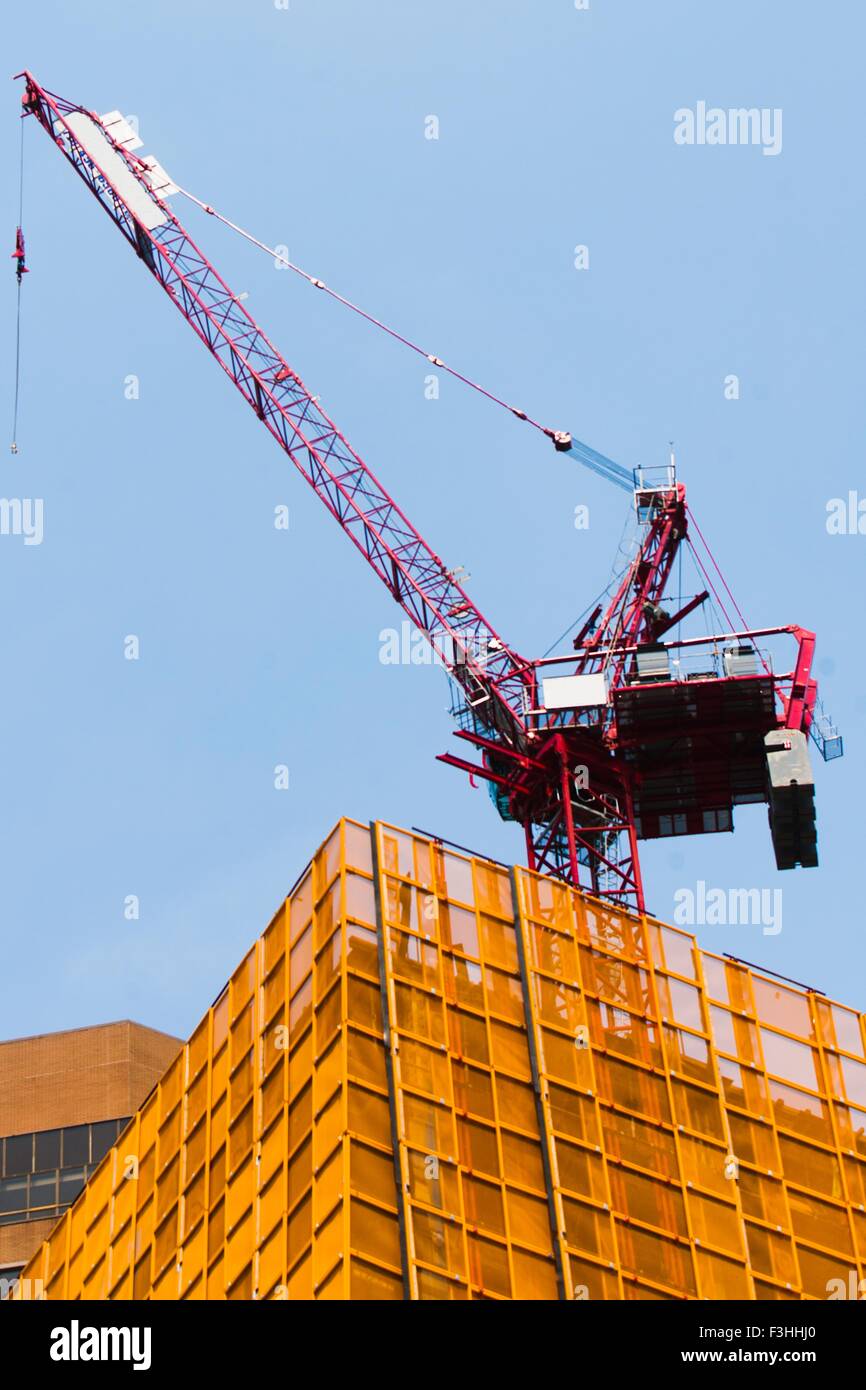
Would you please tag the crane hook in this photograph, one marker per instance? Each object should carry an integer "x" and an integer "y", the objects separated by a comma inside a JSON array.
[{"x": 19, "y": 255}]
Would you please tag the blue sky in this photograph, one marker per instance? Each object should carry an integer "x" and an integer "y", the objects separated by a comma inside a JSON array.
[{"x": 260, "y": 647}]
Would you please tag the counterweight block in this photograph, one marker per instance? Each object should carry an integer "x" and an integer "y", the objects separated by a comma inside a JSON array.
[{"x": 791, "y": 799}]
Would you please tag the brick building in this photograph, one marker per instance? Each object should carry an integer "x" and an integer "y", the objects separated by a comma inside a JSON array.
[{"x": 64, "y": 1098}]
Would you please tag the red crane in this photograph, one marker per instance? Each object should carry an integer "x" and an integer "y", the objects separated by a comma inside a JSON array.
[{"x": 628, "y": 737}]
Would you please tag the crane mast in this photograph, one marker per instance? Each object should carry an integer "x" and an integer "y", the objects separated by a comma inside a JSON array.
[{"x": 589, "y": 752}]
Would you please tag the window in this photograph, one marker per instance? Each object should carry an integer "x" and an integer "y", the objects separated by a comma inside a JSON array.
[
  {"x": 76, "y": 1145},
  {"x": 43, "y": 1190},
  {"x": 43, "y": 1173},
  {"x": 102, "y": 1136},
  {"x": 19, "y": 1155},
  {"x": 47, "y": 1149},
  {"x": 13, "y": 1195},
  {"x": 71, "y": 1183}
]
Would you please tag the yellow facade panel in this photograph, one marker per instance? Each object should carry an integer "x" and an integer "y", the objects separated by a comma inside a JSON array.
[{"x": 433, "y": 1077}]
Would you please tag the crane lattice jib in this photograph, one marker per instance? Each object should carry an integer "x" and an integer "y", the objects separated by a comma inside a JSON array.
[{"x": 493, "y": 677}]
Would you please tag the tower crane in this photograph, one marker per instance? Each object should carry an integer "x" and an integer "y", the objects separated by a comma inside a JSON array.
[{"x": 628, "y": 736}]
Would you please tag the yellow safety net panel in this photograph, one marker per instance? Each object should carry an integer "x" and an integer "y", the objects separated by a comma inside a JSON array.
[{"x": 432, "y": 1077}]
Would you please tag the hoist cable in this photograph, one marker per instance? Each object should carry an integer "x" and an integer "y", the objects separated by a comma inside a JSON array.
[
  {"x": 562, "y": 440},
  {"x": 18, "y": 297},
  {"x": 17, "y": 370}
]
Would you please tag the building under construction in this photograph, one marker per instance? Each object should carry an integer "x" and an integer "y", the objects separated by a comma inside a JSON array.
[{"x": 434, "y": 1077}]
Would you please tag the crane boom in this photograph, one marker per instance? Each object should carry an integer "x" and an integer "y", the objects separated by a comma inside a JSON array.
[{"x": 492, "y": 676}]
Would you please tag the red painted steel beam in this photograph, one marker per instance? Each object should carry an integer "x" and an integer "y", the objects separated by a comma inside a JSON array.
[
  {"x": 801, "y": 700},
  {"x": 500, "y": 689},
  {"x": 412, "y": 572}
]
